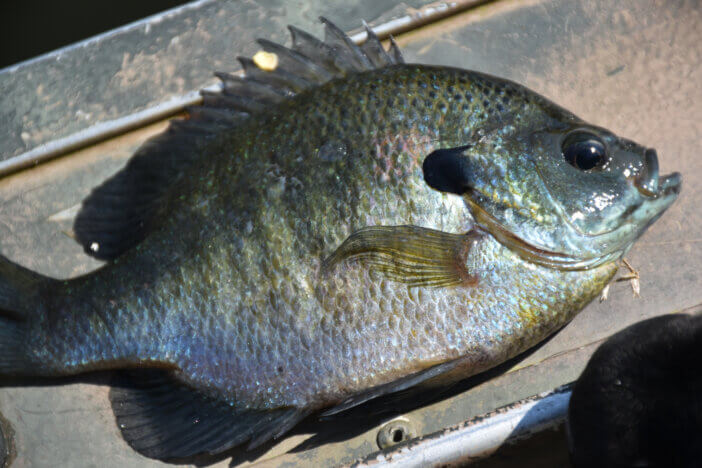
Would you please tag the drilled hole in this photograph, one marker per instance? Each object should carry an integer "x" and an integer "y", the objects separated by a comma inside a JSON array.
[{"x": 395, "y": 432}]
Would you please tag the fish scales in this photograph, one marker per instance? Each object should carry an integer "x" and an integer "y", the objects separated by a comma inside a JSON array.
[
  {"x": 250, "y": 278},
  {"x": 324, "y": 251}
]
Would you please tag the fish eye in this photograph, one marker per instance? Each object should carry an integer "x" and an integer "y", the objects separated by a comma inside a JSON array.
[{"x": 584, "y": 151}]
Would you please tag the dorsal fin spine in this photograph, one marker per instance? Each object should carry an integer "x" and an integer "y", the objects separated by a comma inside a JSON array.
[
  {"x": 311, "y": 69},
  {"x": 307, "y": 45},
  {"x": 332, "y": 32},
  {"x": 276, "y": 77},
  {"x": 394, "y": 51},
  {"x": 373, "y": 48},
  {"x": 120, "y": 213},
  {"x": 233, "y": 83}
]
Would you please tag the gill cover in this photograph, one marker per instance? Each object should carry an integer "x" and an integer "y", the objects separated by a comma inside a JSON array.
[{"x": 572, "y": 196}]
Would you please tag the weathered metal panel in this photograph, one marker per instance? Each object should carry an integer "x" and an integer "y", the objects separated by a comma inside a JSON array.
[
  {"x": 154, "y": 67},
  {"x": 477, "y": 438},
  {"x": 633, "y": 66}
]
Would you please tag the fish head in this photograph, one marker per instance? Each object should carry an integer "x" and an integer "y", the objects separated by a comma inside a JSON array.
[
  {"x": 603, "y": 186},
  {"x": 559, "y": 191}
]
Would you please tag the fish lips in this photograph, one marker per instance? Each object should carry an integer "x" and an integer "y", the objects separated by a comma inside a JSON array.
[
  {"x": 658, "y": 194},
  {"x": 669, "y": 187},
  {"x": 650, "y": 184},
  {"x": 659, "y": 191}
]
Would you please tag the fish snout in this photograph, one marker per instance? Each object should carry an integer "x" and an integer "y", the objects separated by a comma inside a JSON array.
[
  {"x": 671, "y": 184},
  {"x": 647, "y": 181}
]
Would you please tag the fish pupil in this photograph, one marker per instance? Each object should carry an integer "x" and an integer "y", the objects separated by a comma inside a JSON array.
[{"x": 584, "y": 151}]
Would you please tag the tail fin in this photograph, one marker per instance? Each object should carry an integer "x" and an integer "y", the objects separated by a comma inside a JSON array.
[{"x": 19, "y": 296}]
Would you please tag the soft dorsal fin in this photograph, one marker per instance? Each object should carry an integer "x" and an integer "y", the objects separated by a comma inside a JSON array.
[{"x": 119, "y": 214}]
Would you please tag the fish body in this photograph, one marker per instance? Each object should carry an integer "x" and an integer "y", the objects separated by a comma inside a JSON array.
[
  {"x": 235, "y": 276},
  {"x": 390, "y": 225}
]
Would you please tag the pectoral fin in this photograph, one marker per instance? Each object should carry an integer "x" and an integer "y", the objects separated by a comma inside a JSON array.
[{"x": 413, "y": 255}]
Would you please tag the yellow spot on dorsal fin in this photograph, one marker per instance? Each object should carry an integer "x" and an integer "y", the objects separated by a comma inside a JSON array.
[{"x": 267, "y": 61}]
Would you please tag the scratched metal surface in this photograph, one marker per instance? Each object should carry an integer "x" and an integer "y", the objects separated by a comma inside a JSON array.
[
  {"x": 144, "y": 64},
  {"x": 633, "y": 66}
]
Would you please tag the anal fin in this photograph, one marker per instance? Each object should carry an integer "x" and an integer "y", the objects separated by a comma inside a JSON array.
[
  {"x": 166, "y": 420},
  {"x": 413, "y": 255}
]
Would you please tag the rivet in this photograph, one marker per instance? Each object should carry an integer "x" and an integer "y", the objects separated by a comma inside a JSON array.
[{"x": 394, "y": 432}]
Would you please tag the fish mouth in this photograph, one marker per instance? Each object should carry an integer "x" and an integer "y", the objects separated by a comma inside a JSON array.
[
  {"x": 668, "y": 189},
  {"x": 647, "y": 180},
  {"x": 670, "y": 184},
  {"x": 650, "y": 184},
  {"x": 660, "y": 191}
]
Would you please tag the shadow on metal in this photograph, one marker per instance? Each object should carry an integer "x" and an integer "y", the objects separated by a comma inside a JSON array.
[{"x": 539, "y": 438}]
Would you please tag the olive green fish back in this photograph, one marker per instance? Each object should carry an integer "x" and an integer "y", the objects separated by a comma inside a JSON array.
[{"x": 118, "y": 214}]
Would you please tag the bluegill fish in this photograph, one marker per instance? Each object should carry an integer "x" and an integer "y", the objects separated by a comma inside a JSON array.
[{"x": 334, "y": 226}]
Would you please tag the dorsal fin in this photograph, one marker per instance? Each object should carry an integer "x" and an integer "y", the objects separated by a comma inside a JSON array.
[{"x": 120, "y": 213}]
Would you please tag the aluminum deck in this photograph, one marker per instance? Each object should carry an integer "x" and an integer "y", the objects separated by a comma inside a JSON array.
[{"x": 71, "y": 119}]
